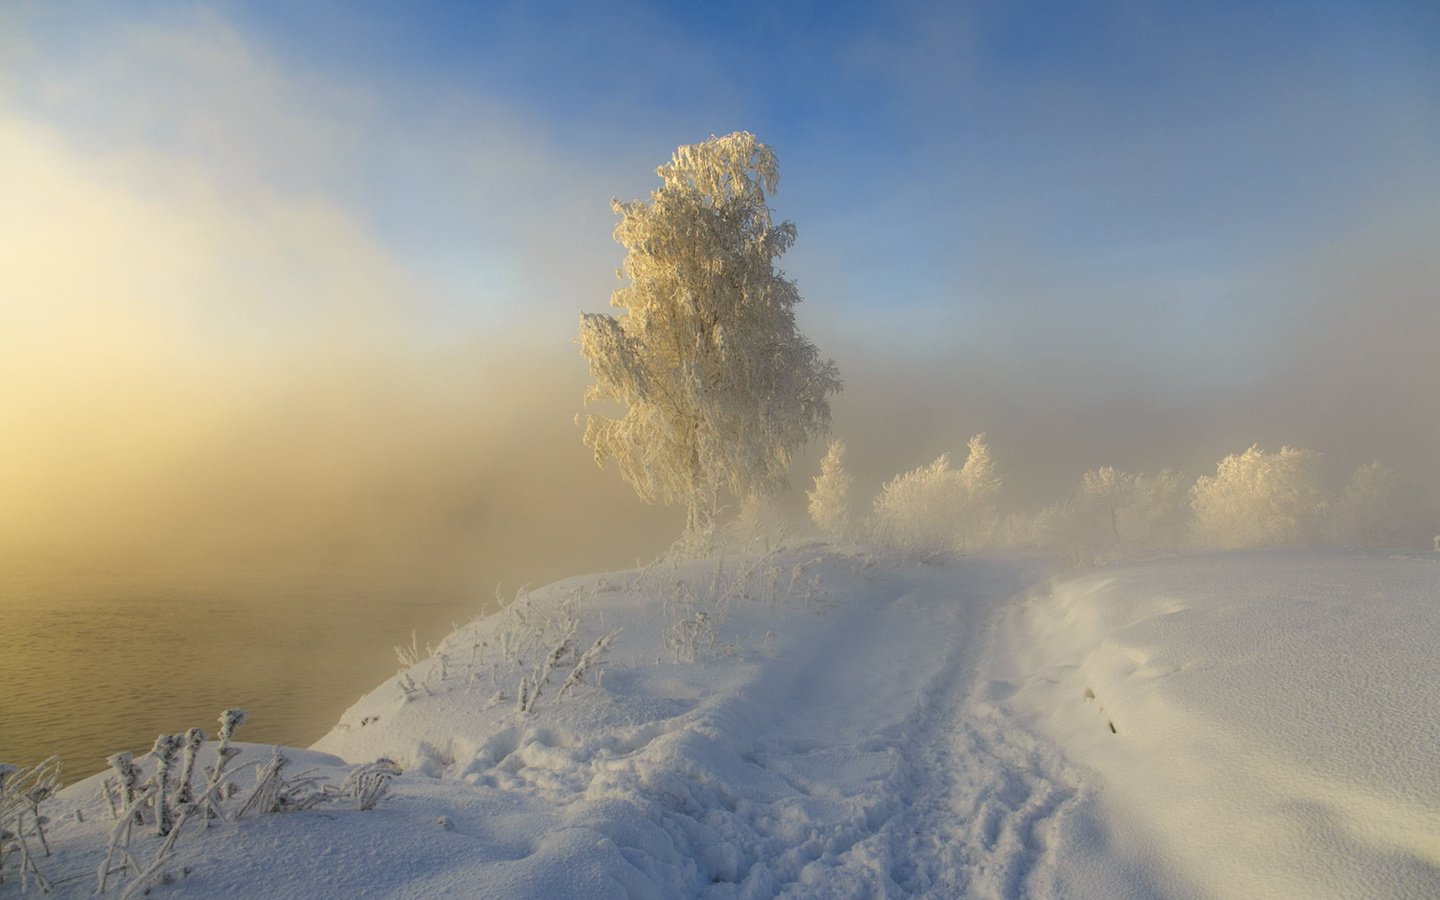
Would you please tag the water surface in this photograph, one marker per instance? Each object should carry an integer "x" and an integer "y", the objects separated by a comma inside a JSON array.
[{"x": 98, "y": 662}]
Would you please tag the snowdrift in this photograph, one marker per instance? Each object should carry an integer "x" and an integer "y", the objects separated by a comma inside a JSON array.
[{"x": 1254, "y": 724}]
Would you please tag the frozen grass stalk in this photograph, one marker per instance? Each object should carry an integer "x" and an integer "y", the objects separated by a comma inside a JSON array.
[
  {"x": 185, "y": 793},
  {"x": 128, "y": 779},
  {"x": 368, "y": 784},
  {"x": 166, "y": 747},
  {"x": 265, "y": 796},
  {"x": 587, "y": 660},
  {"x": 230, "y": 720},
  {"x": 21, "y": 793}
]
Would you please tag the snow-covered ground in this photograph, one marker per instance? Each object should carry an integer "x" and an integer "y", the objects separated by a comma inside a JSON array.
[{"x": 844, "y": 723}]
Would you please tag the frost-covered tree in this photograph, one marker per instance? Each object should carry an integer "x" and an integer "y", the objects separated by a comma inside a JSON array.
[
  {"x": 1105, "y": 491},
  {"x": 717, "y": 385},
  {"x": 1160, "y": 515},
  {"x": 1382, "y": 508},
  {"x": 832, "y": 506},
  {"x": 1257, "y": 499},
  {"x": 1093, "y": 531},
  {"x": 1116, "y": 515}
]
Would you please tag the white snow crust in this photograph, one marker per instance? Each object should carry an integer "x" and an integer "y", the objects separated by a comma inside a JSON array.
[{"x": 857, "y": 725}]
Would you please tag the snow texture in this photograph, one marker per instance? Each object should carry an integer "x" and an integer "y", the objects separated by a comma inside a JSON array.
[{"x": 854, "y": 725}]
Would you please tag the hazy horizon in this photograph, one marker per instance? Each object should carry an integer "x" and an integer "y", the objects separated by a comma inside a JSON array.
[{"x": 297, "y": 289}]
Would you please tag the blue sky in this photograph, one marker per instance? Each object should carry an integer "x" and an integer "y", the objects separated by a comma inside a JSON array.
[
  {"x": 929, "y": 151},
  {"x": 1053, "y": 205}
]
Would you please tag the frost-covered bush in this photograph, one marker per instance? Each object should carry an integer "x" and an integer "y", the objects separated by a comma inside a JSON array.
[
  {"x": 935, "y": 509},
  {"x": 1379, "y": 507},
  {"x": 832, "y": 504},
  {"x": 918, "y": 512},
  {"x": 718, "y": 385},
  {"x": 978, "y": 519},
  {"x": 1258, "y": 499}
]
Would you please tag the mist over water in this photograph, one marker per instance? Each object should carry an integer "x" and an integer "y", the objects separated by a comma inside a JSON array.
[
  {"x": 97, "y": 663},
  {"x": 286, "y": 359}
]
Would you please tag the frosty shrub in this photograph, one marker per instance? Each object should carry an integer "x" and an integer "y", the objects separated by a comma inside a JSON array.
[
  {"x": 717, "y": 385},
  {"x": 979, "y": 519},
  {"x": 1257, "y": 499},
  {"x": 935, "y": 509},
  {"x": 832, "y": 506},
  {"x": 918, "y": 512},
  {"x": 1382, "y": 508}
]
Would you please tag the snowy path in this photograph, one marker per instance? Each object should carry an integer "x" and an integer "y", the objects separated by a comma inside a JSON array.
[
  {"x": 857, "y": 754},
  {"x": 859, "y": 761},
  {"x": 887, "y": 716}
]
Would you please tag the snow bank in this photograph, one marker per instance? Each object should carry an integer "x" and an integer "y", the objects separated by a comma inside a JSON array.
[
  {"x": 842, "y": 724},
  {"x": 1263, "y": 724}
]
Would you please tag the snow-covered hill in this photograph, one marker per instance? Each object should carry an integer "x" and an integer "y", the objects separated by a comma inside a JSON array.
[{"x": 832, "y": 723}]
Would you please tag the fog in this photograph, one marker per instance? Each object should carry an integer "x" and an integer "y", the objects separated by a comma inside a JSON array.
[
  {"x": 199, "y": 376},
  {"x": 257, "y": 319}
]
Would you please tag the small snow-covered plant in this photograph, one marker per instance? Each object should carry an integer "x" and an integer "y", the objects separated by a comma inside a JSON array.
[
  {"x": 477, "y": 649},
  {"x": 165, "y": 750},
  {"x": 21, "y": 793},
  {"x": 815, "y": 596},
  {"x": 185, "y": 792},
  {"x": 367, "y": 785},
  {"x": 832, "y": 501},
  {"x": 273, "y": 792},
  {"x": 553, "y": 658},
  {"x": 688, "y": 627},
  {"x": 125, "y": 783},
  {"x": 215, "y": 784},
  {"x": 408, "y": 656},
  {"x": 587, "y": 661},
  {"x": 129, "y": 816},
  {"x": 172, "y": 795},
  {"x": 408, "y": 687},
  {"x": 798, "y": 573},
  {"x": 532, "y": 687}
]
